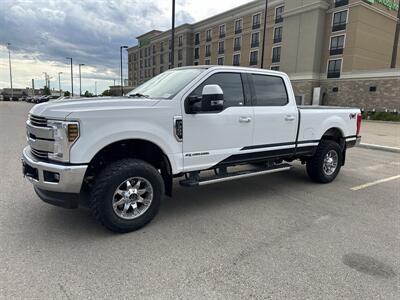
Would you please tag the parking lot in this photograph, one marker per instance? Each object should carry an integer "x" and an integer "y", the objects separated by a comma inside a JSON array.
[{"x": 276, "y": 236}]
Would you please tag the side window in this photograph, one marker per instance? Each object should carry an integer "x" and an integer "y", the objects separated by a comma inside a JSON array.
[
  {"x": 231, "y": 85},
  {"x": 269, "y": 90}
]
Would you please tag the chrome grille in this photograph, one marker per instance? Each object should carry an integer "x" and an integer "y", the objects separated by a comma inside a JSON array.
[
  {"x": 38, "y": 121},
  {"x": 39, "y": 153}
]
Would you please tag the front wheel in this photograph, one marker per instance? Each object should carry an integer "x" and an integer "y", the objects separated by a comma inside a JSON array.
[
  {"x": 325, "y": 165},
  {"x": 126, "y": 195}
]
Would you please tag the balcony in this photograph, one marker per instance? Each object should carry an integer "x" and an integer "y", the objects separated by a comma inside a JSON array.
[
  {"x": 278, "y": 20},
  {"x": 238, "y": 30},
  {"x": 338, "y": 27},
  {"x": 255, "y": 44},
  {"x": 256, "y": 26},
  {"x": 276, "y": 59},
  {"x": 236, "y": 48},
  {"x": 339, "y": 3},
  {"x": 337, "y": 51},
  {"x": 333, "y": 75},
  {"x": 277, "y": 40}
]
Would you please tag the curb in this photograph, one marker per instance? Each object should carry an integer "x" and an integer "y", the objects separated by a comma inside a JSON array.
[
  {"x": 379, "y": 147},
  {"x": 380, "y": 122}
]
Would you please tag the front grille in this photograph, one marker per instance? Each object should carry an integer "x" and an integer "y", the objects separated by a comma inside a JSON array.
[
  {"x": 39, "y": 153},
  {"x": 38, "y": 121}
]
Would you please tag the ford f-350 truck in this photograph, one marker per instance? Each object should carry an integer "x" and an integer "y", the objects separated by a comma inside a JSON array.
[{"x": 202, "y": 124}]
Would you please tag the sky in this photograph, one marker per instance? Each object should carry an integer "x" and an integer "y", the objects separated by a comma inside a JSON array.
[{"x": 43, "y": 33}]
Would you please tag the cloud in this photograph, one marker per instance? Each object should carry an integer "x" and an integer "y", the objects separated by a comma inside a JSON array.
[{"x": 44, "y": 32}]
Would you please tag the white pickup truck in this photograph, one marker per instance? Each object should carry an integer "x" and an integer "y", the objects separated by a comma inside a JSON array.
[{"x": 203, "y": 124}]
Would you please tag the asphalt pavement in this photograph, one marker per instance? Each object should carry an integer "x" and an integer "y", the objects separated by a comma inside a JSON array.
[{"x": 276, "y": 236}]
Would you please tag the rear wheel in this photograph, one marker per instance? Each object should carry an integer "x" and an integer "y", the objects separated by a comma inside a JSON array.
[
  {"x": 325, "y": 165},
  {"x": 126, "y": 195}
]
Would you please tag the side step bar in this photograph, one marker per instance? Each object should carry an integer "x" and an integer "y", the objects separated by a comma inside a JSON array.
[{"x": 191, "y": 182}]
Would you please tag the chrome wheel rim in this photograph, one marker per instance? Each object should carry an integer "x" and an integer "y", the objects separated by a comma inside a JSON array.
[
  {"x": 132, "y": 198},
  {"x": 330, "y": 162}
]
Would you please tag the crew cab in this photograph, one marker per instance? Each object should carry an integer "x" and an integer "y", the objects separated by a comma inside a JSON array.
[{"x": 201, "y": 125}]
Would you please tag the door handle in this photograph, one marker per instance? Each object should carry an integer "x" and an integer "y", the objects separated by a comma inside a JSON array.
[
  {"x": 244, "y": 119},
  {"x": 289, "y": 118}
]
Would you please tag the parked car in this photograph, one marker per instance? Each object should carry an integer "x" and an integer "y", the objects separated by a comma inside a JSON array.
[{"x": 181, "y": 124}]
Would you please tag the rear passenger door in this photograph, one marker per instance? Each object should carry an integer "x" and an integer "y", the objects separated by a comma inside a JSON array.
[{"x": 276, "y": 119}]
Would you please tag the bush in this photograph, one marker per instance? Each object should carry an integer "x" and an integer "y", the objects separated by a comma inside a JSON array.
[{"x": 382, "y": 116}]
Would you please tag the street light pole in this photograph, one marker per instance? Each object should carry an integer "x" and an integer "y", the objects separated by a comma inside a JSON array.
[
  {"x": 9, "y": 62},
  {"x": 80, "y": 80},
  {"x": 122, "y": 83},
  {"x": 72, "y": 78},
  {"x": 59, "y": 82},
  {"x": 173, "y": 35},
  {"x": 264, "y": 34}
]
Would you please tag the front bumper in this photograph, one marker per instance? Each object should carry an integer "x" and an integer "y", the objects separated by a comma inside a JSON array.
[{"x": 51, "y": 176}]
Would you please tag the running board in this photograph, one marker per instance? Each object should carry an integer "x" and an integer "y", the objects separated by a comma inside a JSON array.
[{"x": 191, "y": 182}]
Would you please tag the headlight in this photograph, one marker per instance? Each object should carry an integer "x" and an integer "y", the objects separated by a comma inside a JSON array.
[{"x": 65, "y": 134}]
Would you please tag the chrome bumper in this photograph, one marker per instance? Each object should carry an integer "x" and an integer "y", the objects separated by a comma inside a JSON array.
[{"x": 68, "y": 180}]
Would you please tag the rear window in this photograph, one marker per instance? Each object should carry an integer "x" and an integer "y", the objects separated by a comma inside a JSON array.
[{"x": 269, "y": 90}]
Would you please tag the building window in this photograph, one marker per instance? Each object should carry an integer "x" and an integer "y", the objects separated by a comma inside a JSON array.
[
  {"x": 220, "y": 61},
  {"x": 279, "y": 14},
  {"x": 372, "y": 88},
  {"x": 161, "y": 69},
  {"x": 207, "y": 62},
  {"x": 197, "y": 38},
  {"x": 222, "y": 31},
  {"x": 180, "y": 40},
  {"x": 161, "y": 46},
  {"x": 145, "y": 63},
  {"x": 275, "y": 68},
  {"x": 208, "y": 50},
  {"x": 339, "y": 21},
  {"x": 256, "y": 21},
  {"x": 196, "y": 63},
  {"x": 141, "y": 53},
  {"x": 237, "y": 43},
  {"x": 253, "y": 58},
  {"x": 276, "y": 54},
  {"x": 154, "y": 60},
  {"x": 161, "y": 59},
  {"x": 169, "y": 57},
  {"x": 180, "y": 55},
  {"x": 208, "y": 35},
  {"x": 238, "y": 26},
  {"x": 141, "y": 64},
  {"x": 196, "y": 53},
  {"x": 154, "y": 72},
  {"x": 255, "y": 39},
  {"x": 221, "y": 47},
  {"x": 154, "y": 49},
  {"x": 179, "y": 65},
  {"x": 278, "y": 35},
  {"x": 339, "y": 3},
  {"x": 337, "y": 45},
  {"x": 236, "y": 59},
  {"x": 134, "y": 57},
  {"x": 334, "y": 68}
]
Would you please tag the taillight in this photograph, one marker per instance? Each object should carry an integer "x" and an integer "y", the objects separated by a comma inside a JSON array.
[{"x": 358, "y": 124}]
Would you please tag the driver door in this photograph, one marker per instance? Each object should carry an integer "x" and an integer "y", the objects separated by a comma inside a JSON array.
[{"x": 213, "y": 137}]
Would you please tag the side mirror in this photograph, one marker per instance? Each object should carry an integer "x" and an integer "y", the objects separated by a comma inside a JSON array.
[{"x": 212, "y": 98}]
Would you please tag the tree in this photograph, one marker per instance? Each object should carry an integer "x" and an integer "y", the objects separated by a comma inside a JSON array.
[
  {"x": 88, "y": 94},
  {"x": 67, "y": 94},
  {"x": 46, "y": 91},
  {"x": 107, "y": 93}
]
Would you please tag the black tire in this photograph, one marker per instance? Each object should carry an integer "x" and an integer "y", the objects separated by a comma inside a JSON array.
[
  {"x": 109, "y": 179},
  {"x": 315, "y": 164}
]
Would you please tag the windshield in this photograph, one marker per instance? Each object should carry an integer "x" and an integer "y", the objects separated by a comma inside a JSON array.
[{"x": 166, "y": 85}]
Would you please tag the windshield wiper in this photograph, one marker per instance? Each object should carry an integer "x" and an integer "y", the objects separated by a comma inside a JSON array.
[{"x": 139, "y": 95}]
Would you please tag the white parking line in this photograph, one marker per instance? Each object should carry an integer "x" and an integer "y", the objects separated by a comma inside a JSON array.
[{"x": 363, "y": 186}]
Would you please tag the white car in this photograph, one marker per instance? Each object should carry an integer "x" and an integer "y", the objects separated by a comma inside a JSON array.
[{"x": 183, "y": 123}]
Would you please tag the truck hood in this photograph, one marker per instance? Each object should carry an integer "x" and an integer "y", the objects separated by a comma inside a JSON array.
[{"x": 60, "y": 109}]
